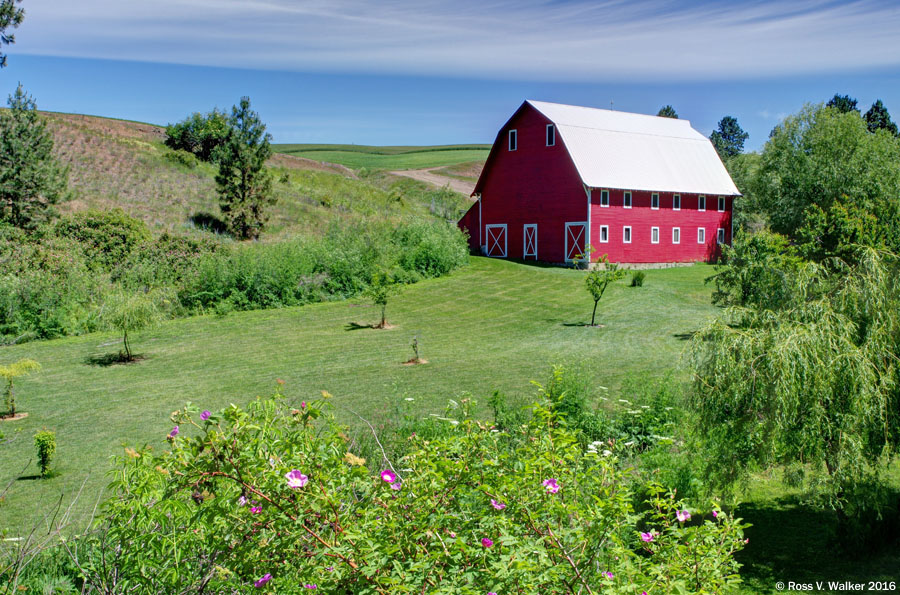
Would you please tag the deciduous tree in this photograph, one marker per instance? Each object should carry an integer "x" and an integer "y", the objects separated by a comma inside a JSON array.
[
  {"x": 31, "y": 180},
  {"x": 244, "y": 183},
  {"x": 599, "y": 278},
  {"x": 130, "y": 312},
  {"x": 9, "y": 373}
]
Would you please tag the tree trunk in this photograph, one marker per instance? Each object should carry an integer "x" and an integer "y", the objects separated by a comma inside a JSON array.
[
  {"x": 10, "y": 399},
  {"x": 127, "y": 349},
  {"x": 594, "y": 313},
  {"x": 383, "y": 321}
]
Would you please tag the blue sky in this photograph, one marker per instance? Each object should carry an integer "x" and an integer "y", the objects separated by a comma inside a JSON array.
[{"x": 440, "y": 71}]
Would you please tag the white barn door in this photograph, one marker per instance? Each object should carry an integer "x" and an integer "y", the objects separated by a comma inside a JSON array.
[
  {"x": 496, "y": 240},
  {"x": 576, "y": 239},
  {"x": 529, "y": 235}
]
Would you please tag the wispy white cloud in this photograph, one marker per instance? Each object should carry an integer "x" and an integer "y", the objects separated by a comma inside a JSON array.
[{"x": 577, "y": 40}]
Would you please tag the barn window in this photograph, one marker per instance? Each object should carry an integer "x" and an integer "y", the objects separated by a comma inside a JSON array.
[
  {"x": 721, "y": 204},
  {"x": 676, "y": 235},
  {"x": 720, "y": 236},
  {"x": 676, "y": 202},
  {"x": 626, "y": 201},
  {"x": 626, "y": 234},
  {"x": 654, "y": 235},
  {"x": 701, "y": 203},
  {"x": 604, "y": 234},
  {"x": 551, "y": 135},
  {"x": 604, "y": 198},
  {"x": 513, "y": 140},
  {"x": 701, "y": 235},
  {"x": 654, "y": 201}
]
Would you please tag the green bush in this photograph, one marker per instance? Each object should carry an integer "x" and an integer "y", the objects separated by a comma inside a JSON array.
[
  {"x": 107, "y": 237},
  {"x": 45, "y": 442},
  {"x": 199, "y": 134},
  {"x": 181, "y": 157},
  {"x": 270, "y": 497},
  {"x": 637, "y": 278}
]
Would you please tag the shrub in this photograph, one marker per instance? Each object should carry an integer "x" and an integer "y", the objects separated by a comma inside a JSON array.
[
  {"x": 45, "y": 442},
  {"x": 181, "y": 157},
  {"x": 199, "y": 134},
  {"x": 130, "y": 312},
  {"x": 9, "y": 373},
  {"x": 107, "y": 237},
  {"x": 270, "y": 496},
  {"x": 637, "y": 278}
]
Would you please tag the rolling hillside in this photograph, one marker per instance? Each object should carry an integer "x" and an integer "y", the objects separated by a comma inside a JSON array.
[
  {"x": 390, "y": 158},
  {"x": 116, "y": 163}
]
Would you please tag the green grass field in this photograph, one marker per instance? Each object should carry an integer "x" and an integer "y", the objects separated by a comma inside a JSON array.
[
  {"x": 492, "y": 325},
  {"x": 388, "y": 158}
]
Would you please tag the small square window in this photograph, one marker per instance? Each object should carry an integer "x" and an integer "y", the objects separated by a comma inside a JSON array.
[
  {"x": 551, "y": 135},
  {"x": 626, "y": 234},
  {"x": 654, "y": 201},
  {"x": 513, "y": 140},
  {"x": 676, "y": 235},
  {"x": 604, "y": 234},
  {"x": 654, "y": 235},
  {"x": 721, "y": 204},
  {"x": 720, "y": 236},
  {"x": 626, "y": 200},
  {"x": 701, "y": 203},
  {"x": 676, "y": 202},
  {"x": 701, "y": 235},
  {"x": 604, "y": 198}
]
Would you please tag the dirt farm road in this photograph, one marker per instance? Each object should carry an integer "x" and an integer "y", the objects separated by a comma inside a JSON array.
[{"x": 429, "y": 177}]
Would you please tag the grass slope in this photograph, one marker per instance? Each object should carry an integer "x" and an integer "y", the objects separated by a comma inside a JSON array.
[
  {"x": 389, "y": 158},
  {"x": 115, "y": 163}
]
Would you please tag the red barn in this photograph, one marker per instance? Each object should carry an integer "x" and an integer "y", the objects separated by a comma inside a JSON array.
[{"x": 641, "y": 189}]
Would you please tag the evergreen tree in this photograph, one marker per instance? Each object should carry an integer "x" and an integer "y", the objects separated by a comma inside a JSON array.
[
  {"x": 31, "y": 180},
  {"x": 667, "y": 111},
  {"x": 843, "y": 103},
  {"x": 244, "y": 184},
  {"x": 878, "y": 118},
  {"x": 10, "y": 16},
  {"x": 729, "y": 138}
]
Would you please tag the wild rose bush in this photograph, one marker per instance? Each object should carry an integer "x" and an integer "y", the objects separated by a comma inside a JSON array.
[{"x": 269, "y": 499}]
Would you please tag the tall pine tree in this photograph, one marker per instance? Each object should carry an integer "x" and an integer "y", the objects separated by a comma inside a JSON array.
[
  {"x": 31, "y": 180},
  {"x": 729, "y": 138},
  {"x": 244, "y": 184},
  {"x": 667, "y": 111},
  {"x": 843, "y": 103},
  {"x": 878, "y": 118},
  {"x": 10, "y": 17}
]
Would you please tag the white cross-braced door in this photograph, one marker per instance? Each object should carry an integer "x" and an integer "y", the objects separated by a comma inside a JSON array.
[
  {"x": 529, "y": 235},
  {"x": 576, "y": 235},
  {"x": 496, "y": 240}
]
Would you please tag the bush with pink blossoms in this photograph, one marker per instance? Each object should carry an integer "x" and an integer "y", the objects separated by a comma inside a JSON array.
[{"x": 177, "y": 521}]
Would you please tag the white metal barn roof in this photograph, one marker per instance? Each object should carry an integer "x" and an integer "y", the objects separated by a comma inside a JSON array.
[{"x": 637, "y": 152}]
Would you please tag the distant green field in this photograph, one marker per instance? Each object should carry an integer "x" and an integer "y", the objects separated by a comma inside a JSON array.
[{"x": 381, "y": 158}]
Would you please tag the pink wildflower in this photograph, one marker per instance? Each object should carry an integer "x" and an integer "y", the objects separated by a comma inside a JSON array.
[
  {"x": 302, "y": 404},
  {"x": 646, "y": 537},
  {"x": 497, "y": 505},
  {"x": 310, "y": 586},
  {"x": 242, "y": 501},
  {"x": 609, "y": 575},
  {"x": 715, "y": 514},
  {"x": 296, "y": 479},
  {"x": 486, "y": 542},
  {"x": 256, "y": 509},
  {"x": 551, "y": 485},
  {"x": 262, "y": 581},
  {"x": 174, "y": 432},
  {"x": 396, "y": 485},
  {"x": 205, "y": 415},
  {"x": 388, "y": 476},
  {"x": 682, "y": 516}
]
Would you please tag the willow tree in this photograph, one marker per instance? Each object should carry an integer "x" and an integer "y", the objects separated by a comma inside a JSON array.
[
  {"x": 810, "y": 383},
  {"x": 131, "y": 312}
]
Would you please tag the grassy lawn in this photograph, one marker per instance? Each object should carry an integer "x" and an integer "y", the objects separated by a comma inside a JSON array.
[
  {"x": 376, "y": 158},
  {"x": 493, "y": 325}
]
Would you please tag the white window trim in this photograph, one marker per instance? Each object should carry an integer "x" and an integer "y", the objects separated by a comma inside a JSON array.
[
  {"x": 720, "y": 233},
  {"x": 655, "y": 194},
  {"x": 654, "y": 229},
  {"x": 566, "y": 243},
  {"x": 674, "y": 196},
  {"x": 600, "y": 237},
  {"x": 630, "y": 199},
  {"x": 721, "y": 204},
  {"x": 624, "y": 229},
  {"x": 487, "y": 234},
  {"x": 525, "y": 253},
  {"x": 511, "y": 135},
  {"x": 606, "y": 194},
  {"x": 547, "y": 135},
  {"x": 701, "y": 200},
  {"x": 676, "y": 231},
  {"x": 701, "y": 235}
]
